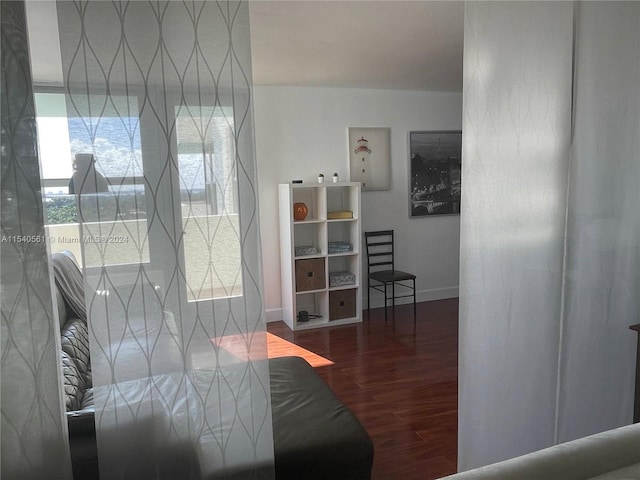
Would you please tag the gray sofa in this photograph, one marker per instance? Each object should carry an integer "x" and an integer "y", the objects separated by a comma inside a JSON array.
[
  {"x": 315, "y": 435},
  {"x": 610, "y": 455}
]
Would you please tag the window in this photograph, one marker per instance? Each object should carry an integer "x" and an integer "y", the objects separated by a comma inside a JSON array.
[
  {"x": 113, "y": 228},
  {"x": 110, "y": 228}
]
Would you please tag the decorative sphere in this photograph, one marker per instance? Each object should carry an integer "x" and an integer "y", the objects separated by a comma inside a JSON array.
[{"x": 300, "y": 211}]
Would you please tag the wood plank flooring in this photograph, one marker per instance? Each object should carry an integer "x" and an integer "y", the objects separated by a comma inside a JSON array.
[{"x": 400, "y": 381}]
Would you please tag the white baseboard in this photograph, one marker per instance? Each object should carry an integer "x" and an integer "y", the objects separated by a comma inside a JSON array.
[
  {"x": 275, "y": 314},
  {"x": 377, "y": 300}
]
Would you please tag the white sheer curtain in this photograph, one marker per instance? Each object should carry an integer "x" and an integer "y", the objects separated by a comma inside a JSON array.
[
  {"x": 603, "y": 232},
  {"x": 550, "y": 260},
  {"x": 159, "y": 93}
]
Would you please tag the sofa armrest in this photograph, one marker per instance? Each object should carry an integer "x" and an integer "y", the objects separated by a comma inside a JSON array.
[
  {"x": 82, "y": 442},
  {"x": 81, "y": 423},
  {"x": 579, "y": 459}
]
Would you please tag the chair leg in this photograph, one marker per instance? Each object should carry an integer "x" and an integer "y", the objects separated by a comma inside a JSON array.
[
  {"x": 414, "y": 298},
  {"x": 385, "y": 302},
  {"x": 414, "y": 305},
  {"x": 393, "y": 297},
  {"x": 369, "y": 300}
]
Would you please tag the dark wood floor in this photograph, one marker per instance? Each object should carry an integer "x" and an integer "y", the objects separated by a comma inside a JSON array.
[{"x": 401, "y": 383}]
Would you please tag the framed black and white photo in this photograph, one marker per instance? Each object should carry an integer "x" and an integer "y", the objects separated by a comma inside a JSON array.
[
  {"x": 435, "y": 169},
  {"x": 369, "y": 157}
]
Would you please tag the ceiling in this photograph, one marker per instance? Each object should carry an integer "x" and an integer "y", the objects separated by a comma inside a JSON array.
[
  {"x": 395, "y": 44},
  {"x": 387, "y": 44}
]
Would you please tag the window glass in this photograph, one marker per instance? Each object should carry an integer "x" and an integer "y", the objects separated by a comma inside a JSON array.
[{"x": 208, "y": 191}]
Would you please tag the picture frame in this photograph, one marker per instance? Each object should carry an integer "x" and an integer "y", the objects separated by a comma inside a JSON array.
[
  {"x": 435, "y": 173},
  {"x": 370, "y": 157}
]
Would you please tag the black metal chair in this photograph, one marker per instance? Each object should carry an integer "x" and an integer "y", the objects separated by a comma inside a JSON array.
[{"x": 381, "y": 270}]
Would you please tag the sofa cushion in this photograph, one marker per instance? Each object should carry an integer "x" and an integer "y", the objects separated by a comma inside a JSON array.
[
  {"x": 75, "y": 343},
  {"x": 314, "y": 432},
  {"x": 315, "y": 436},
  {"x": 87, "y": 400}
]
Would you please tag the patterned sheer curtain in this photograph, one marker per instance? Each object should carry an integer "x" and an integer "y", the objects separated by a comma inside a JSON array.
[
  {"x": 33, "y": 427},
  {"x": 158, "y": 101}
]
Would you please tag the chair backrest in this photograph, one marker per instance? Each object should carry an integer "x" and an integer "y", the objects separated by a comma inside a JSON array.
[{"x": 379, "y": 250}]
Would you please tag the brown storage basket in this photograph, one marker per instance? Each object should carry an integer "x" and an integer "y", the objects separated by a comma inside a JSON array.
[
  {"x": 310, "y": 274},
  {"x": 342, "y": 304}
]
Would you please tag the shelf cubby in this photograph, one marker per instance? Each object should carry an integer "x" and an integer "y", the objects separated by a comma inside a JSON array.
[
  {"x": 342, "y": 232},
  {"x": 344, "y": 268},
  {"x": 315, "y": 201},
  {"x": 309, "y": 236},
  {"x": 343, "y": 199},
  {"x": 315, "y": 304}
]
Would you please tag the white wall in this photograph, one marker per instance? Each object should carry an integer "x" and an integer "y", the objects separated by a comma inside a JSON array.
[{"x": 301, "y": 132}]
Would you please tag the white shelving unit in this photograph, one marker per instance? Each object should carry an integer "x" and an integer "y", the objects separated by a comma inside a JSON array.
[{"x": 313, "y": 249}]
